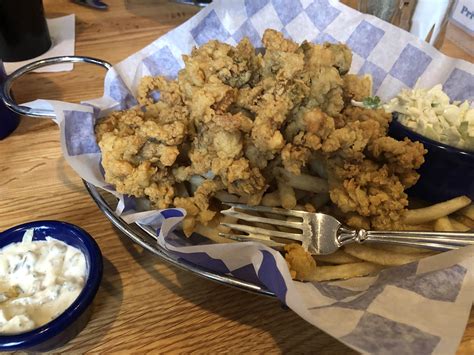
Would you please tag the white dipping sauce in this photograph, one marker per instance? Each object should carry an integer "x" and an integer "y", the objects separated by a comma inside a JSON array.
[{"x": 38, "y": 281}]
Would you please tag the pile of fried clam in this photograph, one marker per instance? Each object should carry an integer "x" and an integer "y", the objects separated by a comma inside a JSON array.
[{"x": 276, "y": 128}]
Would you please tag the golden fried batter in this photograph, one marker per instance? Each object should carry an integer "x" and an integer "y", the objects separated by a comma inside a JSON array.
[
  {"x": 301, "y": 264},
  {"x": 233, "y": 117}
]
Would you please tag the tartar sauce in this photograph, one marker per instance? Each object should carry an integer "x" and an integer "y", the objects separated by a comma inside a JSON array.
[
  {"x": 38, "y": 281},
  {"x": 429, "y": 113}
]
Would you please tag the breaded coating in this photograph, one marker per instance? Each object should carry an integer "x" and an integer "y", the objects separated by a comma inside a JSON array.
[
  {"x": 368, "y": 189},
  {"x": 306, "y": 132},
  {"x": 275, "y": 41},
  {"x": 402, "y": 157},
  {"x": 357, "y": 87},
  {"x": 234, "y": 116},
  {"x": 137, "y": 153},
  {"x": 354, "y": 113},
  {"x": 301, "y": 264}
]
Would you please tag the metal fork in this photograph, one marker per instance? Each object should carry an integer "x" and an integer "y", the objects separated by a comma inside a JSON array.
[{"x": 320, "y": 233}]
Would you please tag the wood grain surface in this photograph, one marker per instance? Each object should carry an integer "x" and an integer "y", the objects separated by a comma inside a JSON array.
[{"x": 143, "y": 305}]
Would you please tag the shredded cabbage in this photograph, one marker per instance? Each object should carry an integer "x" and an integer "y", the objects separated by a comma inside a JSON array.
[{"x": 430, "y": 113}]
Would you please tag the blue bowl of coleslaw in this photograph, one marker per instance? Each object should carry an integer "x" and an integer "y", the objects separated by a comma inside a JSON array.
[
  {"x": 70, "y": 322},
  {"x": 447, "y": 172}
]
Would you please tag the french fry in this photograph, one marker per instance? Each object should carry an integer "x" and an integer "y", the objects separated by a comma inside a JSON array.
[
  {"x": 400, "y": 249},
  {"x": 211, "y": 232},
  {"x": 426, "y": 214},
  {"x": 287, "y": 195},
  {"x": 304, "y": 182},
  {"x": 243, "y": 199},
  {"x": 346, "y": 271},
  {"x": 468, "y": 211},
  {"x": 458, "y": 226},
  {"x": 224, "y": 196},
  {"x": 381, "y": 257},
  {"x": 461, "y": 218},
  {"x": 309, "y": 207},
  {"x": 252, "y": 200},
  {"x": 317, "y": 166},
  {"x": 271, "y": 199},
  {"x": 189, "y": 224},
  {"x": 339, "y": 257},
  {"x": 419, "y": 227},
  {"x": 226, "y": 219},
  {"x": 260, "y": 224},
  {"x": 443, "y": 224},
  {"x": 282, "y": 218},
  {"x": 255, "y": 199}
]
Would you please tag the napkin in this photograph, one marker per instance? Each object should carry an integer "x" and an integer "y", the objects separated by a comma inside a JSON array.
[
  {"x": 418, "y": 308},
  {"x": 61, "y": 31}
]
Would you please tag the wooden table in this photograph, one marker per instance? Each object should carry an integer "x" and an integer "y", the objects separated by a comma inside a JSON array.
[{"x": 143, "y": 304}]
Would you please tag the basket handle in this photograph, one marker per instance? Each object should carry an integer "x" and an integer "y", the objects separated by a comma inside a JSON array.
[{"x": 5, "y": 93}]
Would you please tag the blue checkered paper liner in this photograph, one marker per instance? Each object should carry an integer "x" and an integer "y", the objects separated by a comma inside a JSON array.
[{"x": 419, "y": 308}]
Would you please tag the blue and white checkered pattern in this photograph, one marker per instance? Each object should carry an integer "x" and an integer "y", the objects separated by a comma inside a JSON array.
[
  {"x": 417, "y": 308},
  {"x": 365, "y": 315},
  {"x": 79, "y": 132},
  {"x": 394, "y": 58}
]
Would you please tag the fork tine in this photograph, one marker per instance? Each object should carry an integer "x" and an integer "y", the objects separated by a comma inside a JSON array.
[
  {"x": 253, "y": 238},
  {"x": 250, "y": 218},
  {"x": 274, "y": 210},
  {"x": 262, "y": 231}
]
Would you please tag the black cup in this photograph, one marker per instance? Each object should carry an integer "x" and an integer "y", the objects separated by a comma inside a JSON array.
[
  {"x": 23, "y": 30},
  {"x": 9, "y": 120}
]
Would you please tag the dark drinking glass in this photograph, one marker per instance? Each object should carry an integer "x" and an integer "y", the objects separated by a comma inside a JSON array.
[
  {"x": 9, "y": 120},
  {"x": 23, "y": 30}
]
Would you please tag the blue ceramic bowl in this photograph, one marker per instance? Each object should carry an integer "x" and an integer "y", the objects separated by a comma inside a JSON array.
[
  {"x": 447, "y": 172},
  {"x": 65, "y": 327}
]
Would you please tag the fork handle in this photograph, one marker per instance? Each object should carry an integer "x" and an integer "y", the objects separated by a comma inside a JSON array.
[{"x": 430, "y": 240}]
